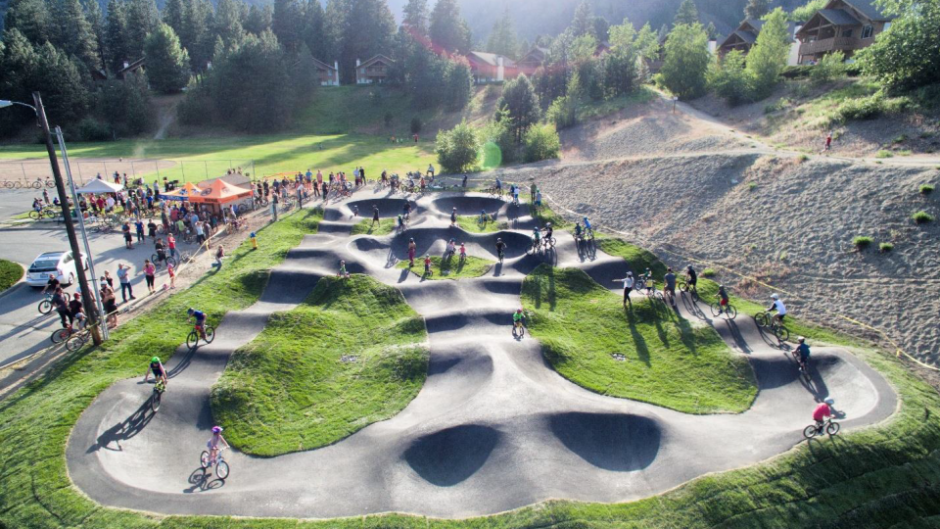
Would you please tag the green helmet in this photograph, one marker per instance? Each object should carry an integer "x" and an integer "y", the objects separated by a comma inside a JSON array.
[{"x": 155, "y": 359}]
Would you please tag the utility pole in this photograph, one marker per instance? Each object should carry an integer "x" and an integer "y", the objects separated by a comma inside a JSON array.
[{"x": 91, "y": 310}]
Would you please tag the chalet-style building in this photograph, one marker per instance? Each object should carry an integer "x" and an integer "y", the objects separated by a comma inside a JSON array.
[
  {"x": 326, "y": 74},
  {"x": 843, "y": 25},
  {"x": 533, "y": 60},
  {"x": 744, "y": 37},
  {"x": 490, "y": 67},
  {"x": 373, "y": 71},
  {"x": 130, "y": 67}
]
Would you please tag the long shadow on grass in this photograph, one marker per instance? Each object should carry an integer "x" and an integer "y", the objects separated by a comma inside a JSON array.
[{"x": 642, "y": 350}]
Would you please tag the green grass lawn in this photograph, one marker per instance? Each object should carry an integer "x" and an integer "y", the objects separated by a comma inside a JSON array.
[
  {"x": 10, "y": 273},
  {"x": 472, "y": 224},
  {"x": 365, "y": 227},
  {"x": 665, "y": 359},
  {"x": 450, "y": 268},
  {"x": 352, "y": 354},
  {"x": 200, "y": 158}
]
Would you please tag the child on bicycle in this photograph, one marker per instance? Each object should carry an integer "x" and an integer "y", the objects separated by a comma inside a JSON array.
[
  {"x": 463, "y": 252},
  {"x": 200, "y": 321},
  {"x": 214, "y": 442},
  {"x": 823, "y": 411},
  {"x": 779, "y": 307},
  {"x": 587, "y": 226},
  {"x": 451, "y": 248},
  {"x": 427, "y": 264},
  {"x": 453, "y": 217},
  {"x": 802, "y": 351},
  {"x": 722, "y": 299},
  {"x": 159, "y": 372},
  {"x": 536, "y": 237},
  {"x": 518, "y": 318}
]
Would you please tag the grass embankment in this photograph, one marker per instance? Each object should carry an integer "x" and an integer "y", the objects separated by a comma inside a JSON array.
[
  {"x": 10, "y": 273},
  {"x": 365, "y": 227},
  {"x": 597, "y": 109},
  {"x": 472, "y": 224},
  {"x": 449, "y": 268},
  {"x": 352, "y": 354},
  {"x": 199, "y": 158},
  {"x": 660, "y": 357}
]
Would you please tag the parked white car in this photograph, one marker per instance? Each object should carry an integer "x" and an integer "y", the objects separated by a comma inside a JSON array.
[{"x": 62, "y": 264}]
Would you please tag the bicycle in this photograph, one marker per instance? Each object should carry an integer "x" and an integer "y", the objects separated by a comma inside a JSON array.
[
  {"x": 765, "y": 321},
  {"x": 60, "y": 335},
  {"x": 207, "y": 335},
  {"x": 518, "y": 330},
  {"x": 159, "y": 261},
  {"x": 802, "y": 366},
  {"x": 656, "y": 295},
  {"x": 158, "y": 388},
  {"x": 534, "y": 247},
  {"x": 78, "y": 339},
  {"x": 829, "y": 426},
  {"x": 718, "y": 310},
  {"x": 221, "y": 467},
  {"x": 46, "y": 212},
  {"x": 45, "y": 306},
  {"x": 684, "y": 286},
  {"x": 103, "y": 226}
]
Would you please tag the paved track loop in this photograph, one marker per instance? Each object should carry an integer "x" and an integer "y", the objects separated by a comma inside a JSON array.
[{"x": 494, "y": 428}]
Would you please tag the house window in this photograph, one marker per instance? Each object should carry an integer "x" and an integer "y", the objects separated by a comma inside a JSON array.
[
  {"x": 847, "y": 33},
  {"x": 867, "y": 32}
]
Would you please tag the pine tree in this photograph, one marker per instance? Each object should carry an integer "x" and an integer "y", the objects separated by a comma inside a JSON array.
[
  {"x": 59, "y": 78},
  {"x": 687, "y": 60},
  {"x": 458, "y": 84},
  {"x": 287, "y": 23},
  {"x": 227, "y": 24},
  {"x": 334, "y": 30},
  {"x": 95, "y": 19},
  {"x": 601, "y": 28},
  {"x": 173, "y": 14},
  {"x": 369, "y": 30},
  {"x": 313, "y": 31},
  {"x": 768, "y": 56},
  {"x": 686, "y": 14},
  {"x": 73, "y": 35},
  {"x": 521, "y": 106},
  {"x": 259, "y": 19},
  {"x": 416, "y": 18},
  {"x": 449, "y": 31},
  {"x": 142, "y": 18},
  {"x": 167, "y": 62},
  {"x": 116, "y": 37},
  {"x": 502, "y": 39},
  {"x": 756, "y": 9},
  {"x": 582, "y": 23},
  {"x": 712, "y": 31},
  {"x": 646, "y": 42},
  {"x": 32, "y": 18}
]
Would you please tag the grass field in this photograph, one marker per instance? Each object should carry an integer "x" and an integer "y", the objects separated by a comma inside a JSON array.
[
  {"x": 663, "y": 359},
  {"x": 352, "y": 354},
  {"x": 449, "y": 268},
  {"x": 365, "y": 227},
  {"x": 196, "y": 159},
  {"x": 472, "y": 224},
  {"x": 10, "y": 273}
]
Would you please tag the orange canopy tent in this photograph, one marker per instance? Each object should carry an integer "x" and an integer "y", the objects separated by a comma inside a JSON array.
[
  {"x": 184, "y": 193},
  {"x": 220, "y": 192}
]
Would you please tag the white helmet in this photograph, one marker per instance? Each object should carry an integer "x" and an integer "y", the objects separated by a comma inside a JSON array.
[
  {"x": 774, "y": 296},
  {"x": 830, "y": 401}
]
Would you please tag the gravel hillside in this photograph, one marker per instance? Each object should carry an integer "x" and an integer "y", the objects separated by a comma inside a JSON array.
[{"x": 786, "y": 221}]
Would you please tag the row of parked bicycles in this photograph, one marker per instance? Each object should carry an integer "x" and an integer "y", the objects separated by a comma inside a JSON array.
[{"x": 38, "y": 183}]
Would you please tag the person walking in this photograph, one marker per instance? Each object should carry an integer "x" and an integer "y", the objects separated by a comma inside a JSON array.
[
  {"x": 219, "y": 254},
  {"x": 412, "y": 250},
  {"x": 150, "y": 272},
  {"x": 124, "y": 277},
  {"x": 274, "y": 208},
  {"x": 375, "y": 216},
  {"x": 829, "y": 140},
  {"x": 139, "y": 228}
]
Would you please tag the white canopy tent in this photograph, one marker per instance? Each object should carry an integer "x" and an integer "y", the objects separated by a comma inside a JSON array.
[{"x": 99, "y": 186}]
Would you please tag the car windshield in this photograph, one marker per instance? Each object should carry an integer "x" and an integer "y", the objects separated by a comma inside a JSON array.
[{"x": 44, "y": 265}]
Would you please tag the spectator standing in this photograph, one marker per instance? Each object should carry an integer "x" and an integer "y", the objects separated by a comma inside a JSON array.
[
  {"x": 139, "y": 226},
  {"x": 150, "y": 272},
  {"x": 124, "y": 277}
]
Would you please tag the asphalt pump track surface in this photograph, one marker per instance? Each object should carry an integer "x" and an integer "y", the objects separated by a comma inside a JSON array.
[{"x": 494, "y": 427}]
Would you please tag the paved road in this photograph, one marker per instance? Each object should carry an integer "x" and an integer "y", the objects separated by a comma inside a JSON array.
[{"x": 494, "y": 428}]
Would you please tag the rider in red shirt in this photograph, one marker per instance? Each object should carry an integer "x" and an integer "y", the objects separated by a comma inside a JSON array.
[{"x": 822, "y": 411}]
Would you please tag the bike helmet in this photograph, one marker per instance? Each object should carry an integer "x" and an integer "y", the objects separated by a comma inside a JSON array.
[
  {"x": 774, "y": 296},
  {"x": 629, "y": 274},
  {"x": 499, "y": 239},
  {"x": 721, "y": 287},
  {"x": 690, "y": 267},
  {"x": 548, "y": 224},
  {"x": 190, "y": 311},
  {"x": 801, "y": 339},
  {"x": 411, "y": 239},
  {"x": 155, "y": 359},
  {"x": 830, "y": 401},
  {"x": 519, "y": 311},
  {"x": 217, "y": 429}
]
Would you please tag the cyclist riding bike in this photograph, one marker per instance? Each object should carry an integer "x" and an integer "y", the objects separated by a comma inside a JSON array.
[
  {"x": 159, "y": 372},
  {"x": 692, "y": 277},
  {"x": 549, "y": 230},
  {"x": 427, "y": 264},
  {"x": 51, "y": 285},
  {"x": 722, "y": 299},
  {"x": 670, "y": 285},
  {"x": 161, "y": 250},
  {"x": 802, "y": 352},
  {"x": 453, "y": 217},
  {"x": 577, "y": 230},
  {"x": 536, "y": 237},
  {"x": 463, "y": 251},
  {"x": 200, "y": 321},
  {"x": 500, "y": 248},
  {"x": 483, "y": 216},
  {"x": 779, "y": 307},
  {"x": 647, "y": 278},
  {"x": 214, "y": 442},
  {"x": 518, "y": 318},
  {"x": 587, "y": 227},
  {"x": 823, "y": 411},
  {"x": 451, "y": 248}
]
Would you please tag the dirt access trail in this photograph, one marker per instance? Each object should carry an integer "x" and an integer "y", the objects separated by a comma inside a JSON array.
[{"x": 494, "y": 428}]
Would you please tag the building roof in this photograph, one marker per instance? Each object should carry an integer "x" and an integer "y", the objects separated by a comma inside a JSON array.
[
  {"x": 869, "y": 9},
  {"x": 838, "y": 17},
  {"x": 322, "y": 65},
  {"x": 134, "y": 66},
  {"x": 377, "y": 58},
  {"x": 491, "y": 59}
]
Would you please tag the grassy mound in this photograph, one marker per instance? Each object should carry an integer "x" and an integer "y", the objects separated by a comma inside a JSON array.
[
  {"x": 647, "y": 353},
  {"x": 450, "y": 268},
  {"x": 365, "y": 227},
  {"x": 10, "y": 273},
  {"x": 472, "y": 224},
  {"x": 350, "y": 355}
]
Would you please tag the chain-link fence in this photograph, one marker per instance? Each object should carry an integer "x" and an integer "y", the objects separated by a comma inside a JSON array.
[{"x": 17, "y": 173}]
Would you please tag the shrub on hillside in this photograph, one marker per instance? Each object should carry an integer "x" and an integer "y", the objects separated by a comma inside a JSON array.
[
  {"x": 686, "y": 62},
  {"x": 862, "y": 242},
  {"x": 541, "y": 143},
  {"x": 926, "y": 189},
  {"x": 458, "y": 149},
  {"x": 830, "y": 68},
  {"x": 728, "y": 78},
  {"x": 885, "y": 247},
  {"x": 90, "y": 129},
  {"x": 922, "y": 217}
]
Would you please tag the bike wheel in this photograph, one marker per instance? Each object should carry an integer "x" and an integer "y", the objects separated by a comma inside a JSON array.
[
  {"x": 832, "y": 428},
  {"x": 782, "y": 333},
  {"x": 59, "y": 335},
  {"x": 810, "y": 431},
  {"x": 551, "y": 242},
  {"x": 155, "y": 401},
  {"x": 36, "y": 185},
  {"x": 731, "y": 311},
  {"x": 762, "y": 319},
  {"x": 75, "y": 342},
  {"x": 192, "y": 340},
  {"x": 204, "y": 460},
  {"x": 210, "y": 334},
  {"x": 35, "y": 215},
  {"x": 716, "y": 309},
  {"x": 532, "y": 249},
  {"x": 45, "y": 306},
  {"x": 221, "y": 469}
]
